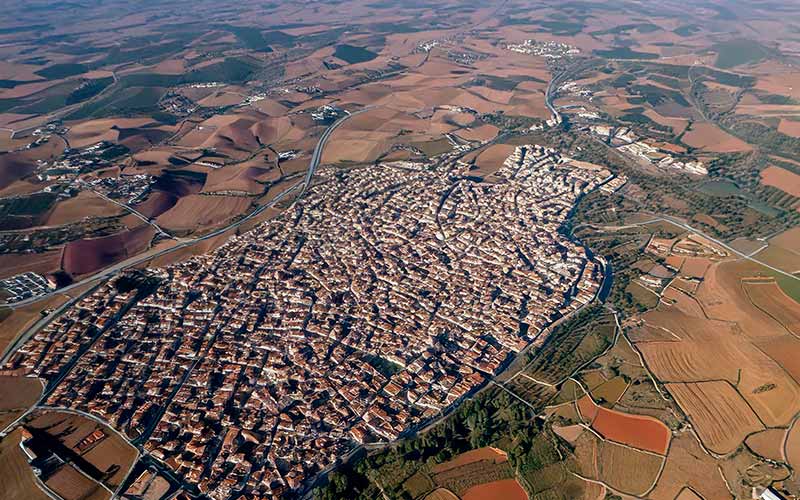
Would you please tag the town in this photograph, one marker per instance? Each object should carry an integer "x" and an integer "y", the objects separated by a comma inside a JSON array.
[{"x": 373, "y": 306}]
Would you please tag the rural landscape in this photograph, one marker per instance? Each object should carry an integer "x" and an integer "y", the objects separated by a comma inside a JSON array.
[{"x": 373, "y": 249}]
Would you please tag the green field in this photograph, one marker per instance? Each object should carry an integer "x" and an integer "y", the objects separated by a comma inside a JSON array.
[
  {"x": 736, "y": 52},
  {"x": 624, "y": 53},
  {"x": 352, "y": 54}
]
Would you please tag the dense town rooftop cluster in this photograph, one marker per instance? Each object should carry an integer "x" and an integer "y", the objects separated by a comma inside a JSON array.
[
  {"x": 373, "y": 305},
  {"x": 548, "y": 49}
]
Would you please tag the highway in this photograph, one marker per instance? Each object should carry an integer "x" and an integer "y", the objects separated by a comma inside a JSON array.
[
  {"x": 115, "y": 269},
  {"x": 548, "y": 97},
  {"x": 679, "y": 223}
]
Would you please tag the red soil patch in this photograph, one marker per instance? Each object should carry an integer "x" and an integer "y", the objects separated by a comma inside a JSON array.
[
  {"x": 506, "y": 489},
  {"x": 644, "y": 433},
  {"x": 89, "y": 255}
]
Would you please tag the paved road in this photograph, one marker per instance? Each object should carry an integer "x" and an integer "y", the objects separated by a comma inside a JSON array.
[
  {"x": 126, "y": 264},
  {"x": 135, "y": 212},
  {"x": 548, "y": 97},
  {"x": 745, "y": 256},
  {"x": 677, "y": 222}
]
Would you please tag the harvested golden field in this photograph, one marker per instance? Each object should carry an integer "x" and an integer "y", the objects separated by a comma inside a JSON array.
[
  {"x": 709, "y": 137},
  {"x": 769, "y": 298},
  {"x": 483, "y": 133},
  {"x": 768, "y": 444},
  {"x": 780, "y": 178},
  {"x": 86, "y": 204},
  {"x": 70, "y": 484},
  {"x": 782, "y": 82},
  {"x": 569, "y": 433},
  {"x": 616, "y": 465},
  {"x": 243, "y": 177},
  {"x": 112, "y": 453},
  {"x": 695, "y": 267},
  {"x": 732, "y": 346},
  {"x": 675, "y": 296},
  {"x": 718, "y": 413},
  {"x": 723, "y": 297},
  {"x": 221, "y": 99},
  {"x": 785, "y": 350},
  {"x": 688, "y": 494},
  {"x": 491, "y": 158},
  {"x": 688, "y": 465},
  {"x": 16, "y": 476},
  {"x": 787, "y": 259},
  {"x": 195, "y": 212},
  {"x": 674, "y": 360}
]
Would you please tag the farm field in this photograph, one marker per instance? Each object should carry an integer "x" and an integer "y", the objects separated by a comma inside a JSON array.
[
  {"x": 645, "y": 433},
  {"x": 777, "y": 177},
  {"x": 720, "y": 431},
  {"x": 17, "y": 394},
  {"x": 104, "y": 457},
  {"x": 18, "y": 478},
  {"x": 709, "y": 137},
  {"x": 505, "y": 488}
]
